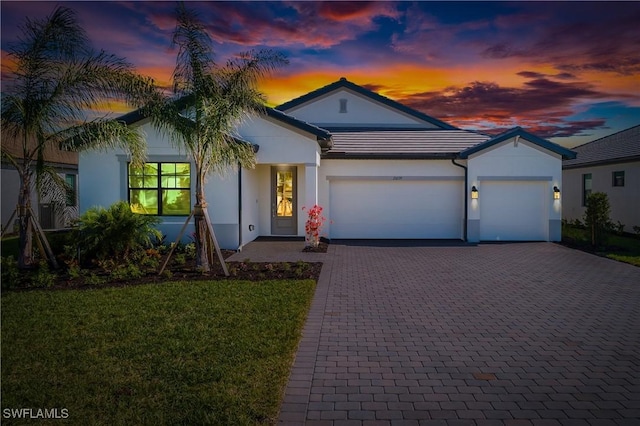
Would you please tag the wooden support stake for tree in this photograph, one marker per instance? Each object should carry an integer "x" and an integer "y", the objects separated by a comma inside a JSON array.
[
  {"x": 43, "y": 243},
  {"x": 9, "y": 222},
  {"x": 180, "y": 234},
  {"x": 215, "y": 242}
]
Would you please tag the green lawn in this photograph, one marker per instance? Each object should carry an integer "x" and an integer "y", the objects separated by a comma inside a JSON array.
[
  {"x": 215, "y": 352},
  {"x": 619, "y": 247}
]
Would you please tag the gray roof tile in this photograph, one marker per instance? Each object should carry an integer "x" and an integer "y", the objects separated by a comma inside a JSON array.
[
  {"x": 402, "y": 143},
  {"x": 618, "y": 147}
]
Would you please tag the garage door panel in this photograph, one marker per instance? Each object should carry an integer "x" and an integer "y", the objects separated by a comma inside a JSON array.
[
  {"x": 396, "y": 209},
  {"x": 513, "y": 211}
]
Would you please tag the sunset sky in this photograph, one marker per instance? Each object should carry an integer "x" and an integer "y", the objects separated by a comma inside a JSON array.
[{"x": 568, "y": 71}]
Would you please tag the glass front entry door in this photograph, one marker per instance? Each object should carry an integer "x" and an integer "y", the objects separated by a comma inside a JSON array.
[{"x": 283, "y": 201}]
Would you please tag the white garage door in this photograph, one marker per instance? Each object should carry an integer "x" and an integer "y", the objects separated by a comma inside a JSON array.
[
  {"x": 514, "y": 211},
  {"x": 388, "y": 209}
]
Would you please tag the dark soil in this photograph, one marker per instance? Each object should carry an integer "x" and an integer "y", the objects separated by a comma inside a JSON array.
[
  {"x": 100, "y": 278},
  {"x": 322, "y": 248}
]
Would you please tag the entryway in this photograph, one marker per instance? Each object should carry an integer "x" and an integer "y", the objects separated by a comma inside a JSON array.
[{"x": 284, "y": 200}]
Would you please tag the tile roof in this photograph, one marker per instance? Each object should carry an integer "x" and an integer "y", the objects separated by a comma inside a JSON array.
[
  {"x": 519, "y": 131},
  {"x": 344, "y": 83},
  {"x": 618, "y": 147},
  {"x": 402, "y": 143}
]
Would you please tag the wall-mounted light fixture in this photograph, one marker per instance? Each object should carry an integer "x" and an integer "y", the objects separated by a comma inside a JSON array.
[
  {"x": 474, "y": 193},
  {"x": 556, "y": 193}
]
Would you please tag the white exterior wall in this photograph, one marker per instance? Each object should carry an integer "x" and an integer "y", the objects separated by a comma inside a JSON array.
[
  {"x": 428, "y": 172},
  {"x": 510, "y": 162},
  {"x": 251, "y": 193},
  {"x": 103, "y": 181},
  {"x": 279, "y": 144},
  {"x": 361, "y": 111},
  {"x": 624, "y": 201},
  {"x": 10, "y": 191}
]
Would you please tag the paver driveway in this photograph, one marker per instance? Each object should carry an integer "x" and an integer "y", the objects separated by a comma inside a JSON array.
[{"x": 531, "y": 333}]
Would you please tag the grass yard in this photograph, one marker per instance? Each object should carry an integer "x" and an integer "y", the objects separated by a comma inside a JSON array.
[
  {"x": 209, "y": 352},
  {"x": 618, "y": 247}
]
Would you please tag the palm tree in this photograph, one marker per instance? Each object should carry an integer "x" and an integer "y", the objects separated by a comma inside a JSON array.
[
  {"x": 212, "y": 101},
  {"x": 56, "y": 78}
]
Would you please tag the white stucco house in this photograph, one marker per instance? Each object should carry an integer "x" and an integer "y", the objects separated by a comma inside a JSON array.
[
  {"x": 379, "y": 169},
  {"x": 611, "y": 165}
]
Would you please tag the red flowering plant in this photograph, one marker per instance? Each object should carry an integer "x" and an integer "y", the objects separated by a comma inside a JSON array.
[{"x": 313, "y": 226}]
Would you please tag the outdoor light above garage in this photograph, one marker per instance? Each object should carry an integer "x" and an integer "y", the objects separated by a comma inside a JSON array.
[
  {"x": 556, "y": 193},
  {"x": 474, "y": 193}
]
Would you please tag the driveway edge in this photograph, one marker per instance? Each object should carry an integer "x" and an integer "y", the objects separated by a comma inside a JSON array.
[{"x": 293, "y": 410}]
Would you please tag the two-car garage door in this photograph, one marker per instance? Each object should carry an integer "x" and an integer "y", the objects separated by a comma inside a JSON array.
[{"x": 396, "y": 208}]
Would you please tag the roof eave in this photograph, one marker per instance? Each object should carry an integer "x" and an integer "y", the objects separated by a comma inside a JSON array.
[
  {"x": 602, "y": 162},
  {"x": 387, "y": 156},
  {"x": 320, "y": 133}
]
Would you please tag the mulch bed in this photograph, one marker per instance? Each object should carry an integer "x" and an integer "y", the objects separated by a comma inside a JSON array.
[
  {"x": 322, "y": 248},
  {"x": 249, "y": 271}
]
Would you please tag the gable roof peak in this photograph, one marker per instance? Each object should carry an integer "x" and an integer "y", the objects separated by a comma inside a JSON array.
[
  {"x": 519, "y": 131},
  {"x": 344, "y": 83}
]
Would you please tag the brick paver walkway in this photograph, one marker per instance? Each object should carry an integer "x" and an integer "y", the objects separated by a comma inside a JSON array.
[{"x": 512, "y": 334}]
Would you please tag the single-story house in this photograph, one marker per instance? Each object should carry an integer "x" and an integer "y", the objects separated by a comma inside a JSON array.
[
  {"x": 380, "y": 170},
  {"x": 611, "y": 165}
]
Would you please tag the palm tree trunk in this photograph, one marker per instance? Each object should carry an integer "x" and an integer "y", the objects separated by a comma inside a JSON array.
[
  {"x": 202, "y": 232},
  {"x": 25, "y": 254}
]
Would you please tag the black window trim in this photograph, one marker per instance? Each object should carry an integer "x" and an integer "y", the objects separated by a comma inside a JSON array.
[
  {"x": 159, "y": 189},
  {"x": 586, "y": 176},
  {"x": 614, "y": 181}
]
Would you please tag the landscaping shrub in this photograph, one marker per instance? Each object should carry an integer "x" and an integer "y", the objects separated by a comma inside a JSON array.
[
  {"x": 42, "y": 277},
  {"x": 114, "y": 233},
  {"x": 10, "y": 273},
  {"x": 596, "y": 217}
]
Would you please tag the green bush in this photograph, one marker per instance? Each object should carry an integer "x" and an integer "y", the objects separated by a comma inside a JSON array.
[
  {"x": 114, "y": 233},
  {"x": 126, "y": 272},
  {"x": 42, "y": 277},
  {"x": 10, "y": 272},
  {"x": 596, "y": 217}
]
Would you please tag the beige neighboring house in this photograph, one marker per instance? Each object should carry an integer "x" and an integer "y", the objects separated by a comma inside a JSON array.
[
  {"x": 611, "y": 165},
  {"x": 66, "y": 164}
]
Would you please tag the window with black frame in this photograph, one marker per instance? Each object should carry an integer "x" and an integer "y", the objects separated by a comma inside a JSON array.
[
  {"x": 162, "y": 189},
  {"x": 618, "y": 178},
  {"x": 587, "y": 185}
]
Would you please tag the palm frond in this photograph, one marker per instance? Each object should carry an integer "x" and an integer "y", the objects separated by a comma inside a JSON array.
[
  {"x": 105, "y": 135},
  {"x": 11, "y": 159},
  {"x": 195, "y": 59},
  {"x": 52, "y": 188}
]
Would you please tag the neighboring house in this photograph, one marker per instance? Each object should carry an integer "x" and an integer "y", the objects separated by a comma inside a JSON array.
[
  {"x": 611, "y": 165},
  {"x": 48, "y": 215},
  {"x": 381, "y": 170}
]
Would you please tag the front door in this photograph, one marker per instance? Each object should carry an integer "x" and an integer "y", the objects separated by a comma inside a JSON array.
[{"x": 284, "y": 201}]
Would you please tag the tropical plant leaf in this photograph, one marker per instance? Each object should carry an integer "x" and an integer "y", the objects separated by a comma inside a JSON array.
[{"x": 55, "y": 79}]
